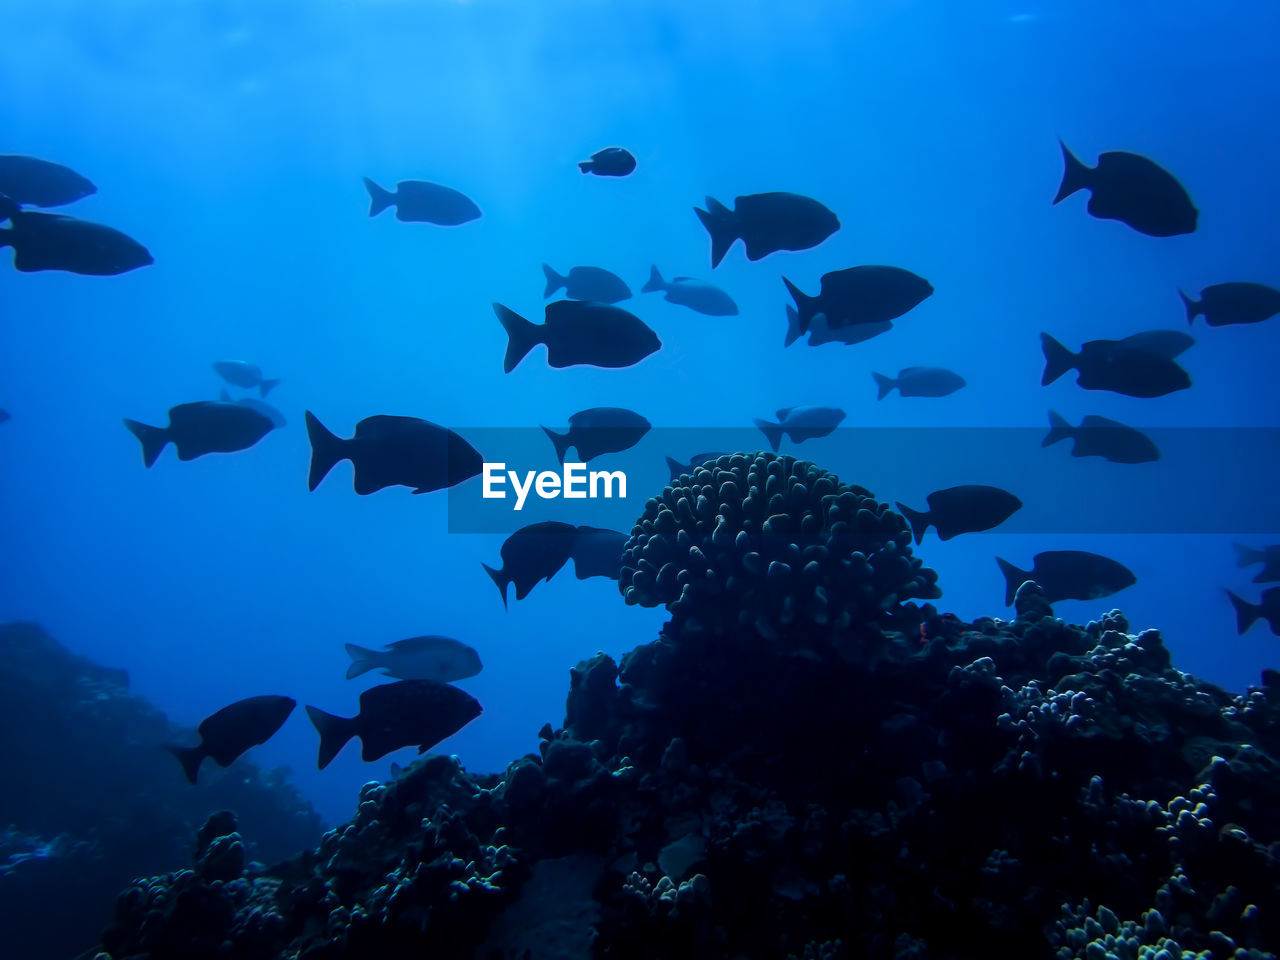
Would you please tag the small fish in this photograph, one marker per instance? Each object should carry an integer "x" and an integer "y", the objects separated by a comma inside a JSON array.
[
  {"x": 766, "y": 223},
  {"x": 1267, "y": 608},
  {"x": 1268, "y": 556},
  {"x": 1170, "y": 344},
  {"x": 532, "y": 554},
  {"x": 206, "y": 426},
  {"x": 41, "y": 183},
  {"x": 578, "y": 332},
  {"x": 1132, "y": 189},
  {"x": 697, "y": 295},
  {"x": 239, "y": 373},
  {"x": 441, "y": 659},
  {"x": 420, "y": 201},
  {"x": 966, "y": 509},
  {"x": 51, "y": 241},
  {"x": 1068, "y": 575},
  {"x": 1113, "y": 365},
  {"x": 394, "y": 451},
  {"x": 587, "y": 283},
  {"x": 597, "y": 552},
  {"x": 1100, "y": 437},
  {"x": 919, "y": 382},
  {"x": 1224, "y": 304},
  {"x": 679, "y": 469},
  {"x": 264, "y": 408},
  {"x": 599, "y": 430},
  {"x": 233, "y": 730},
  {"x": 820, "y": 332},
  {"x": 609, "y": 162},
  {"x": 867, "y": 294},
  {"x": 406, "y": 713},
  {"x": 801, "y": 423}
]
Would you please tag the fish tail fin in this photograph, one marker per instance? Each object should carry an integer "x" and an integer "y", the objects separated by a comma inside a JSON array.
[
  {"x": 379, "y": 199},
  {"x": 334, "y": 733},
  {"x": 1247, "y": 614},
  {"x": 884, "y": 385},
  {"x": 1013, "y": 579},
  {"x": 1075, "y": 175},
  {"x": 500, "y": 581},
  {"x": 362, "y": 660},
  {"x": 586, "y": 165},
  {"x": 794, "y": 330},
  {"x": 522, "y": 336},
  {"x": 1194, "y": 308},
  {"x": 655, "y": 281},
  {"x": 153, "y": 439},
  {"x": 919, "y": 521},
  {"x": 1059, "y": 429},
  {"x": 722, "y": 225},
  {"x": 1057, "y": 359},
  {"x": 1246, "y": 556},
  {"x": 326, "y": 450},
  {"x": 224, "y": 396},
  {"x": 772, "y": 432},
  {"x": 554, "y": 281},
  {"x": 805, "y": 305},
  {"x": 674, "y": 467},
  {"x": 266, "y": 386},
  {"x": 190, "y": 758},
  {"x": 561, "y": 442}
]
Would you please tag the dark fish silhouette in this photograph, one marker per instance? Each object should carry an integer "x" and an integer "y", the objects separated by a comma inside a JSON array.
[
  {"x": 857, "y": 295},
  {"x": 821, "y": 332},
  {"x": 51, "y": 241},
  {"x": 1224, "y": 304},
  {"x": 41, "y": 183},
  {"x": 1131, "y": 189},
  {"x": 1170, "y": 344},
  {"x": 766, "y": 223},
  {"x": 420, "y": 201},
  {"x": 966, "y": 509},
  {"x": 1267, "y": 608},
  {"x": 1112, "y": 365},
  {"x": 389, "y": 451},
  {"x": 532, "y": 554},
  {"x": 233, "y": 730},
  {"x": 253, "y": 403},
  {"x": 697, "y": 295},
  {"x": 406, "y": 713},
  {"x": 801, "y": 423},
  {"x": 609, "y": 162},
  {"x": 1068, "y": 575},
  {"x": 587, "y": 283},
  {"x": 698, "y": 459},
  {"x": 206, "y": 426},
  {"x": 1100, "y": 437},
  {"x": 597, "y": 552},
  {"x": 239, "y": 373},
  {"x": 441, "y": 659},
  {"x": 599, "y": 430},
  {"x": 578, "y": 332},
  {"x": 919, "y": 382},
  {"x": 1268, "y": 556}
]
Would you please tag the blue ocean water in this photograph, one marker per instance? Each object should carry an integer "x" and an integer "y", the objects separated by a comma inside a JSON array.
[{"x": 231, "y": 139}]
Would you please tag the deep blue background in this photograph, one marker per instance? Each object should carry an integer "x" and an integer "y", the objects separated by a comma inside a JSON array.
[{"x": 230, "y": 138}]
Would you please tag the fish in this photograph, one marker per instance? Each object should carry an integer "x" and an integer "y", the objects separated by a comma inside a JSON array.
[
  {"x": 441, "y": 659},
  {"x": 264, "y": 408},
  {"x": 820, "y": 332},
  {"x": 599, "y": 430},
  {"x": 578, "y": 332},
  {"x": 1268, "y": 556},
  {"x": 1068, "y": 575},
  {"x": 766, "y": 223},
  {"x": 871, "y": 293},
  {"x": 679, "y": 469},
  {"x": 1267, "y": 608},
  {"x": 41, "y": 183},
  {"x": 240, "y": 373},
  {"x": 420, "y": 201},
  {"x": 804, "y": 422},
  {"x": 203, "y": 427},
  {"x": 1112, "y": 365},
  {"x": 52, "y": 241},
  {"x": 971, "y": 508},
  {"x": 1100, "y": 437},
  {"x": 1132, "y": 189},
  {"x": 919, "y": 382},
  {"x": 394, "y": 451},
  {"x": 1225, "y": 304},
  {"x": 597, "y": 552},
  {"x": 1170, "y": 344},
  {"x": 609, "y": 162},
  {"x": 405, "y": 713},
  {"x": 231, "y": 731},
  {"x": 532, "y": 554},
  {"x": 587, "y": 283},
  {"x": 697, "y": 295}
]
